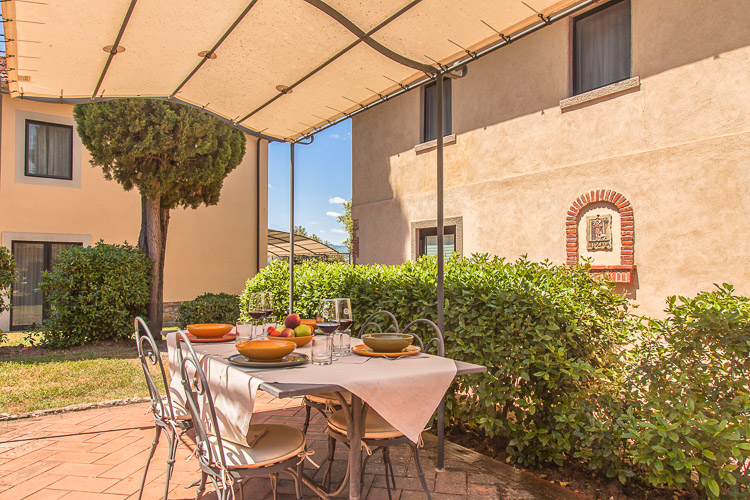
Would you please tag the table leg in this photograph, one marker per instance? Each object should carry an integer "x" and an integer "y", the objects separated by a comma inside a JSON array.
[{"x": 355, "y": 449}]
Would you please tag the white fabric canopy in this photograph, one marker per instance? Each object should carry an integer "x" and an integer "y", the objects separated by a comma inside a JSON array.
[{"x": 336, "y": 57}]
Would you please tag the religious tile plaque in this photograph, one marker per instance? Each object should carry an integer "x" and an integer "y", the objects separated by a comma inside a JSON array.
[{"x": 599, "y": 232}]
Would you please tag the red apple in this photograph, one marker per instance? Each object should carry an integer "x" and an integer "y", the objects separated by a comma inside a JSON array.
[
  {"x": 292, "y": 321},
  {"x": 270, "y": 329},
  {"x": 274, "y": 333},
  {"x": 287, "y": 332}
]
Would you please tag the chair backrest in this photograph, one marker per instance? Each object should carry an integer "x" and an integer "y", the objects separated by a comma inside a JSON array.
[
  {"x": 210, "y": 454},
  {"x": 374, "y": 321},
  {"x": 148, "y": 353},
  {"x": 437, "y": 340}
]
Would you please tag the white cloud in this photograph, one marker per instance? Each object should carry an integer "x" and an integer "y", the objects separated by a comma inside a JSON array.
[
  {"x": 339, "y": 231},
  {"x": 314, "y": 222},
  {"x": 334, "y": 214},
  {"x": 336, "y": 199},
  {"x": 322, "y": 231},
  {"x": 271, "y": 186},
  {"x": 336, "y": 136}
]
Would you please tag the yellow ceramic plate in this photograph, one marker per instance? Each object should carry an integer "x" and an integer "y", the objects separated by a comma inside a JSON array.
[
  {"x": 363, "y": 350},
  {"x": 265, "y": 350},
  {"x": 300, "y": 341}
]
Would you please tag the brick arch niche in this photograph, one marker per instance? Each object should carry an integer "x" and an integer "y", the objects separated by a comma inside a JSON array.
[{"x": 623, "y": 273}]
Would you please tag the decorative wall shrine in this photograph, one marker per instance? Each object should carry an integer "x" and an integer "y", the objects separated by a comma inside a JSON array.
[{"x": 606, "y": 216}]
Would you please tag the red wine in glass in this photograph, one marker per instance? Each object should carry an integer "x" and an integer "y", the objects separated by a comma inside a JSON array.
[
  {"x": 344, "y": 324},
  {"x": 266, "y": 312},
  {"x": 328, "y": 328},
  {"x": 256, "y": 315}
]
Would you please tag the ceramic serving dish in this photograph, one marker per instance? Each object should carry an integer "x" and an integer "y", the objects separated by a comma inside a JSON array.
[
  {"x": 300, "y": 341},
  {"x": 387, "y": 342},
  {"x": 265, "y": 350},
  {"x": 209, "y": 330}
]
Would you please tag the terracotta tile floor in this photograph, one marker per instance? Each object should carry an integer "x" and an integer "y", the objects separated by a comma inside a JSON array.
[{"x": 101, "y": 453}]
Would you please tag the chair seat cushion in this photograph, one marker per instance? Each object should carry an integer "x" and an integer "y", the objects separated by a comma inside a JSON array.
[
  {"x": 329, "y": 398},
  {"x": 271, "y": 444},
  {"x": 376, "y": 427}
]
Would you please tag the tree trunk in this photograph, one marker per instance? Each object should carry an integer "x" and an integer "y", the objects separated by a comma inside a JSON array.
[{"x": 151, "y": 241}]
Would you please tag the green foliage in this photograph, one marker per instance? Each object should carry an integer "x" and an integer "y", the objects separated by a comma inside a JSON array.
[
  {"x": 571, "y": 374},
  {"x": 693, "y": 395},
  {"x": 7, "y": 276},
  {"x": 346, "y": 220},
  {"x": 174, "y": 154},
  {"x": 209, "y": 308},
  {"x": 94, "y": 293}
]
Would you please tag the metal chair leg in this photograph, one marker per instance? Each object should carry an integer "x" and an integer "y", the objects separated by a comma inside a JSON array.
[
  {"x": 298, "y": 479},
  {"x": 420, "y": 471},
  {"x": 274, "y": 484},
  {"x": 306, "y": 425},
  {"x": 390, "y": 466},
  {"x": 154, "y": 444},
  {"x": 170, "y": 459},
  {"x": 201, "y": 485},
  {"x": 329, "y": 467}
]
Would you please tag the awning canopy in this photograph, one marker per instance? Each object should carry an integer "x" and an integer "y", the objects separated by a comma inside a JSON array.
[
  {"x": 282, "y": 69},
  {"x": 278, "y": 245}
]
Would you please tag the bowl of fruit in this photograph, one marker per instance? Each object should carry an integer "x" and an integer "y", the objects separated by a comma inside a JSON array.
[
  {"x": 265, "y": 350},
  {"x": 387, "y": 342},
  {"x": 292, "y": 330},
  {"x": 209, "y": 330}
]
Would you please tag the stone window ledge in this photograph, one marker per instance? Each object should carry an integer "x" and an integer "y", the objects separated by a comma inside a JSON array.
[
  {"x": 600, "y": 93},
  {"x": 430, "y": 145}
]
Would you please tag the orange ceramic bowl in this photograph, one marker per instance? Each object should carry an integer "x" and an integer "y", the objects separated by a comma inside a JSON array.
[
  {"x": 300, "y": 341},
  {"x": 265, "y": 350},
  {"x": 209, "y": 330}
]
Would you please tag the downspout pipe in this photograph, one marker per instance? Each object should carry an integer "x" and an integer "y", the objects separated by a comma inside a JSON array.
[
  {"x": 440, "y": 259},
  {"x": 291, "y": 227}
]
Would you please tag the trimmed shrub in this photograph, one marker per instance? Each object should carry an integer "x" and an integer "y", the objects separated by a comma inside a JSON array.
[
  {"x": 7, "y": 276},
  {"x": 94, "y": 293},
  {"x": 691, "y": 387},
  {"x": 547, "y": 334},
  {"x": 209, "y": 308}
]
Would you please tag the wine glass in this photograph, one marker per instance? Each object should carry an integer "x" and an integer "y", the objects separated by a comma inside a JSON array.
[
  {"x": 326, "y": 319},
  {"x": 259, "y": 305},
  {"x": 345, "y": 319}
]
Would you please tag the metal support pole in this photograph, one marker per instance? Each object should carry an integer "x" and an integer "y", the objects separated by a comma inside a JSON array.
[
  {"x": 291, "y": 228},
  {"x": 440, "y": 258}
]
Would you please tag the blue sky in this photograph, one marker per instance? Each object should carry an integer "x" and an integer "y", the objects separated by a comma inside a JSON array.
[{"x": 323, "y": 176}]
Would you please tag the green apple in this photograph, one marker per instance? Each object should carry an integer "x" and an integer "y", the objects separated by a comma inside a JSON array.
[{"x": 303, "y": 331}]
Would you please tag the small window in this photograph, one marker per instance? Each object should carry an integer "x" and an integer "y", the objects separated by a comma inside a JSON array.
[
  {"x": 601, "y": 53},
  {"x": 49, "y": 150},
  {"x": 430, "y": 111},
  {"x": 428, "y": 244}
]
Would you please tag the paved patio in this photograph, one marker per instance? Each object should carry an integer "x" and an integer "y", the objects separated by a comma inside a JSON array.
[{"x": 100, "y": 454}]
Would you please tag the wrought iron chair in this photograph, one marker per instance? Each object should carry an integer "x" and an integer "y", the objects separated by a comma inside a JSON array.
[
  {"x": 270, "y": 449},
  {"x": 327, "y": 402},
  {"x": 166, "y": 419},
  {"x": 378, "y": 434}
]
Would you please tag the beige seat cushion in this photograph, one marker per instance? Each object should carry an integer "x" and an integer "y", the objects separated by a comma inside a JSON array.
[
  {"x": 329, "y": 398},
  {"x": 376, "y": 426},
  {"x": 271, "y": 443}
]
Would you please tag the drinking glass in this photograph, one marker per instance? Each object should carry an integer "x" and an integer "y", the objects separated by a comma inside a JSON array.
[
  {"x": 244, "y": 330},
  {"x": 343, "y": 336},
  {"x": 326, "y": 320},
  {"x": 321, "y": 350}
]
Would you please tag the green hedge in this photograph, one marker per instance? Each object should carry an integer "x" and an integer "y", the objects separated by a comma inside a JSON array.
[
  {"x": 94, "y": 293},
  {"x": 7, "y": 275},
  {"x": 209, "y": 308},
  {"x": 572, "y": 375}
]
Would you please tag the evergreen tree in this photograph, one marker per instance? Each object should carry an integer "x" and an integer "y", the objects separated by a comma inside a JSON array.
[{"x": 174, "y": 154}]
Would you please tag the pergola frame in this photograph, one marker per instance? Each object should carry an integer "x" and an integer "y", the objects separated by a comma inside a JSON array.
[{"x": 437, "y": 72}]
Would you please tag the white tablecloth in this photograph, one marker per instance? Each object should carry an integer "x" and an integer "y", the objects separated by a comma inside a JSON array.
[{"x": 405, "y": 392}]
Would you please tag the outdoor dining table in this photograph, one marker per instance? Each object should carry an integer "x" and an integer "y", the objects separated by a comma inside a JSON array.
[{"x": 405, "y": 391}]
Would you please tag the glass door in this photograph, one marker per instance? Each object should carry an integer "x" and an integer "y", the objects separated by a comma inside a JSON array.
[{"x": 28, "y": 305}]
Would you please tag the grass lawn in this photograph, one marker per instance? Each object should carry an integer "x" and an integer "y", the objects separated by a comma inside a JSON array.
[{"x": 52, "y": 379}]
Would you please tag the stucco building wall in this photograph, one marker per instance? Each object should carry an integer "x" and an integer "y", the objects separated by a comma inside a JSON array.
[
  {"x": 210, "y": 249},
  {"x": 677, "y": 146}
]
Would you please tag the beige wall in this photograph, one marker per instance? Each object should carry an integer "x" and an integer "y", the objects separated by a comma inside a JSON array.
[
  {"x": 211, "y": 249},
  {"x": 677, "y": 147}
]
